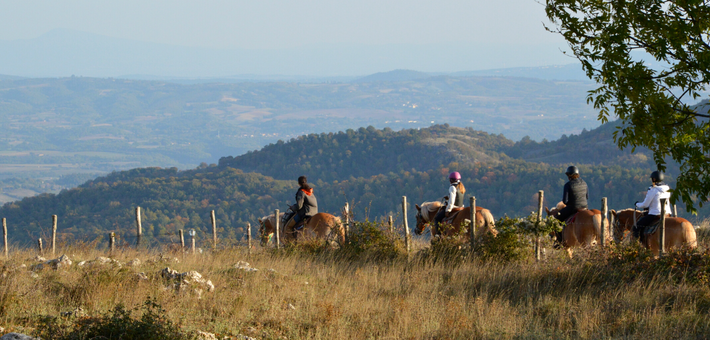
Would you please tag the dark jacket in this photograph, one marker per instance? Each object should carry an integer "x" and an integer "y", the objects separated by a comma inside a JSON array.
[
  {"x": 576, "y": 194},
  {"x": 306, "y": 203}
]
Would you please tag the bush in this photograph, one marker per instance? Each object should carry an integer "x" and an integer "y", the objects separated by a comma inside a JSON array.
[
  {"x": 372, "y": 240},
  {"x": 114, "y": 325},
  {"x": 511, "y": 243}
]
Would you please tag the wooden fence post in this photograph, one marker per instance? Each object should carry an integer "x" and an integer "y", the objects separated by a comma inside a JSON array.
[
  {"x": 605, "y": 212},
  {"x": 39, "y": 244},
  {"x": 214, "y": 230},
  {"x": 472, "y": 226},
  {"x": 277, "y": 231},
  {"x": 112, "y": 242},
  {"x": 192, "y": 240},
  {"x": 407, "y": 241},
  {"x": 662, "y": 232},
  {"x": 54, "y": 234},
  {"x": 346, "y": 209},
  {"x": 675, "y": 211},
  {"x": 182, "y": 239},
  {"x": 249, "y": 238},
  {"x": 540, "y": 199},
  {"x": 139, "y": 227},
  {"x": 390, "y": 223},
  {"x": 4, "y": 235}
]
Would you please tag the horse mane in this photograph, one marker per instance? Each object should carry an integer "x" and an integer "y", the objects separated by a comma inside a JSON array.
[
  {"x": 625, "y": 210},
  {"x": 429, "y": 208},
  {"x": 560, "y": 206},
  {"x": 270, "y": 218}
]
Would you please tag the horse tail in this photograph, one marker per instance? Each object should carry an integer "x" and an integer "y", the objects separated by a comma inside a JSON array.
[
  {"x": 489, "y": 221},
  {"x": 689, "y": 234},
  {"x": 597, "y": 220},
  {"x": 340, "y": 229}
]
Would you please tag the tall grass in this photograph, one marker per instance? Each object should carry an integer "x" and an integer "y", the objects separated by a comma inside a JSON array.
[{"x": 369, "y": 290}]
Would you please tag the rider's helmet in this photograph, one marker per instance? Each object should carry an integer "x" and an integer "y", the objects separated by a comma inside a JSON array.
[
  {"x": 571, "y": 170},
  {"x": 455, "y": 176},
  {"x": 302, "y": 180},
  {"x": 657, "y": 176}
]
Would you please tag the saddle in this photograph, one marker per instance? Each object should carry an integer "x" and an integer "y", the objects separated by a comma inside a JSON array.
[
  {"x": 299, "y": 225},
  {"x": 452, "y": 215},
  {"x": 571, "y": 219}
]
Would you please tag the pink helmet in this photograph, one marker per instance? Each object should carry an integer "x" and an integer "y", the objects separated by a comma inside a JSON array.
[{"x": 455, "y": 175}]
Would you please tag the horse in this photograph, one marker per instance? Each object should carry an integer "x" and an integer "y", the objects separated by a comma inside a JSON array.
[
  {"x": 321, "y": 226},
  {"x": 584, "y": 231},
  {"x": 679, "y": 231},
  {"x": 427, "y": 211}
]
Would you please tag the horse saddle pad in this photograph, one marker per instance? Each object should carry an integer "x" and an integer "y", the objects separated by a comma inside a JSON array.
[
  {"x": 571, "y": 219},
  {"x": 652, "y": 228},
  {"x": 452, "y": 215},
  {"x": 300, "y": 225}
]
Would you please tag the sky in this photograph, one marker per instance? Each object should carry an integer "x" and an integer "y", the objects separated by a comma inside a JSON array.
[{"x": 295, "y": 24}]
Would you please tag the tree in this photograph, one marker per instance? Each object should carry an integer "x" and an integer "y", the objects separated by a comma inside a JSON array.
[{"x": 614, "y": 40}]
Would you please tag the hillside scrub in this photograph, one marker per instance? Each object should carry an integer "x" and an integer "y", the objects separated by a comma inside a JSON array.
[{"x": 621, "y": 292}]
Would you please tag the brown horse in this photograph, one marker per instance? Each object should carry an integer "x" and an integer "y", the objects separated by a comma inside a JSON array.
[
  {"x": 321, "y": 226},
  {"x": 584, "y": 231},
  {"x": 426, "y": 212},
  {"x": 679, "y": 231}
]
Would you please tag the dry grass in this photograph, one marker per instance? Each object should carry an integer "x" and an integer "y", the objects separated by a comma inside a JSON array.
[{"x": 365, "y": 299}]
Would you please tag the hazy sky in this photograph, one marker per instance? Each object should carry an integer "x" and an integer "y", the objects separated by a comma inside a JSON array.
[{"x": 273, "y": 24}]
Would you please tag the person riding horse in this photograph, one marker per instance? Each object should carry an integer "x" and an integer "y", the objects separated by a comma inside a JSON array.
[
  {"x": 652, "y": 202},
  {"x": 455, "y": 198},
  {"x": 306, "y": 205},
  {"x": 575, "y": 197}
]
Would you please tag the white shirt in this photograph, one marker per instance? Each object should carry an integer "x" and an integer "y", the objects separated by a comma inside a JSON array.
[
  {"x": 452, "y": 197},
  {"x": 653, "y": 200}
]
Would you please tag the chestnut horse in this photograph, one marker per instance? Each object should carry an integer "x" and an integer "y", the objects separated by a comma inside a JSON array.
[
  {"x": 427, "y": 211},
  {"x": 321, "y": 226},
  {"x": 584, "y": 231},
  {"x": 679, "y": 231}
]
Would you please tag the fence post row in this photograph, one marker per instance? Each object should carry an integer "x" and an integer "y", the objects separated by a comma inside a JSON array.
[
  {"x": 4, "y": 235},
  {"x": 472, "y": 225},
  {"x": 276, "y": 214},
  {"x": 214, "y": 230},
  {"x": 249, "y": 238},
  {"x": 54, "y": 234},
  {"x": 605, "y": 212},
  {"x": 662, "y": 232},
  {"x": 346, "y": 210},
  {"x": 139, "y": 228},
  {"x": 540, "y": 199},
  {"x": 407, "y": 240},
  {"x": 112, "y": 242}
]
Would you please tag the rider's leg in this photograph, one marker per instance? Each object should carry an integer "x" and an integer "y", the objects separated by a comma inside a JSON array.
[{"x": 439, "y": 217}]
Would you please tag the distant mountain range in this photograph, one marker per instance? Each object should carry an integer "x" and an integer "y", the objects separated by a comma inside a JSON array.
[{"x": 62, "y": 53}]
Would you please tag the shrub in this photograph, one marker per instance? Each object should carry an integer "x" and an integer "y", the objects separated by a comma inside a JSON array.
[
  {"x": 116, "y": 324},
  {"x": 372, "y": 240},
  {"x": 511, "y": 243}
]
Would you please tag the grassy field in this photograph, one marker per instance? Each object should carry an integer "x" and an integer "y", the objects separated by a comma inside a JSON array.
[{"x": 310, "y": 293}]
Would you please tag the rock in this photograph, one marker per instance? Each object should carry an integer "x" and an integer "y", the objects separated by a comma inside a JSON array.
[
  {"x": 187, "y": 280},
  {"x": 290, "y": 307},
  {"x": 39, "y": 259},
  {"x": 76, "y": 313},
  {"x": 205, "y": 336},
  {"x": 134, "y": 263},
  {"x": 245, "y": 266},
  {"x": 141, "y": 276},
  {"x": 17, "y": 336},
  {"x": 58, "y": 263}
]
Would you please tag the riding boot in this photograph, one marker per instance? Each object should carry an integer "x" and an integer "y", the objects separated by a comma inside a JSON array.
[
  {"x": 559, "y": 240},
  {"x": 636, "y": 232}
]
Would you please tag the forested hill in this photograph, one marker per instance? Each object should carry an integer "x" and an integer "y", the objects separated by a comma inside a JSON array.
[
  {"x": 369, "y": 152},
  {"x": 371, "y": 169}
]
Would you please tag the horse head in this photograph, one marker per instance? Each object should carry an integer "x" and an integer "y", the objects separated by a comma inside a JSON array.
[
  {"x": 266, "y": 230},
  {"x": 623, "y": 221},
  {"x": 421, "y": 223}
]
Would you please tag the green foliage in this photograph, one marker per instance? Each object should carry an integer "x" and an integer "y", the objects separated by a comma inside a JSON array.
[
  {"x": 530, "y": 225},
  {"x": 372, "y": 240},
  {"x": 512, "y": 242},
  {"x": 651, "y": 103},
  {"x": 117, "y": 324}
]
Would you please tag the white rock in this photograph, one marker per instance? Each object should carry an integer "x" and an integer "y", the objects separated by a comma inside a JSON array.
[
  {"x": 205, "y": 336},
  {"x": 134, "y": 263},
  {"x": 77, "y": 313},
  {"x": 141, "y": 276},
  {"x": 39, "y": 259},
  {"x": 17, "y": 336},
  {"x": 187, "y": 279}
]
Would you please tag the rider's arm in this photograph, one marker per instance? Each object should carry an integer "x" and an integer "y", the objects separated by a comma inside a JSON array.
[
  {"x": 565, "y": 194},
  {"x": 299, "y": 200},
  {"x": 452, "y": 198},
  {"x": 649, "y": 198}
]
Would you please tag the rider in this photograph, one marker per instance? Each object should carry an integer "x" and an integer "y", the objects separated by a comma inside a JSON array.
[
  {"x": 656, "y": 192},
  {"x": 306, "y": 205},
  {"x": 575, "y": 195},
  {"x": 455, "y": 197}
]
